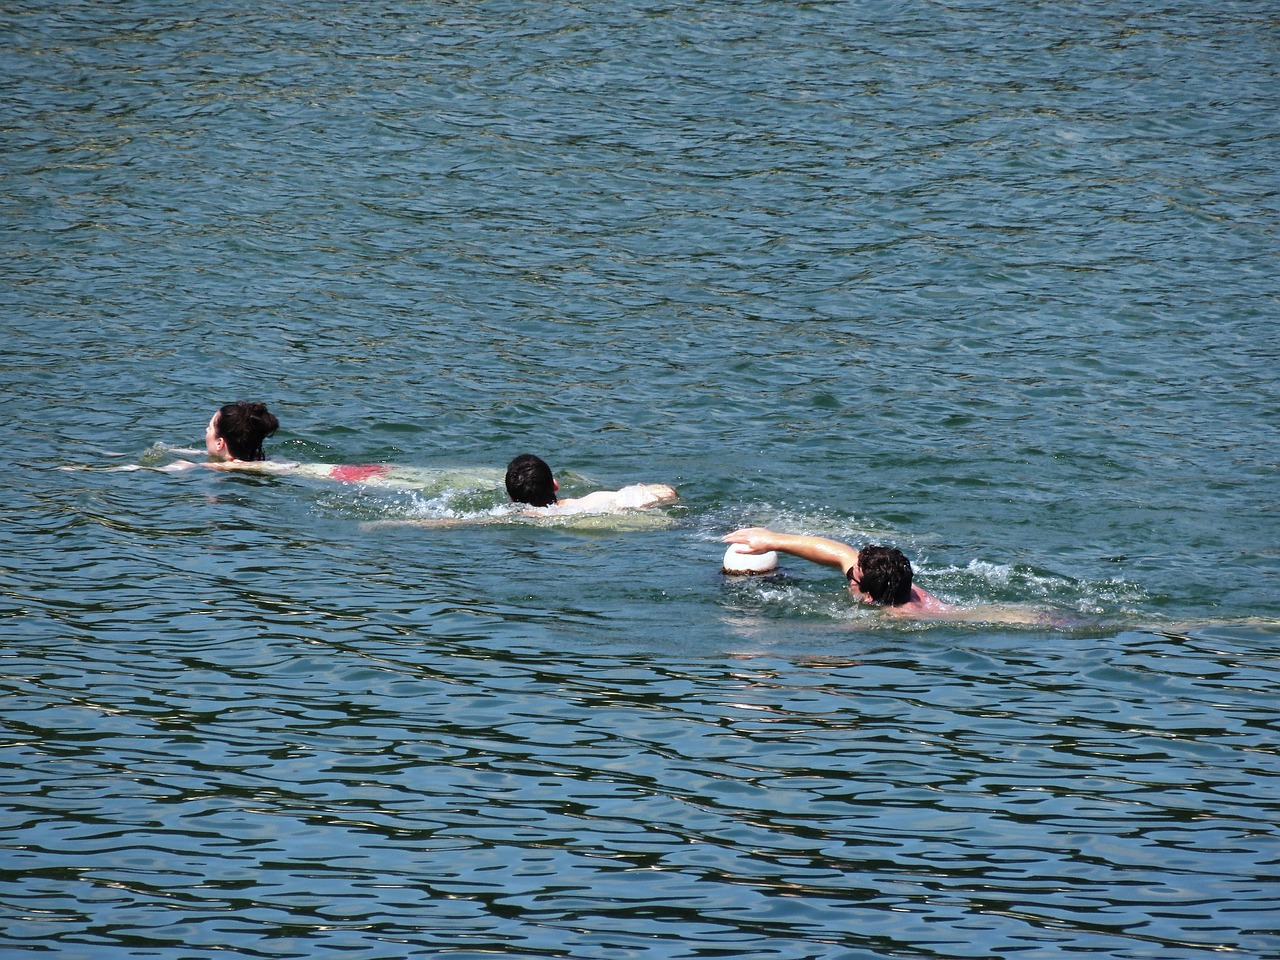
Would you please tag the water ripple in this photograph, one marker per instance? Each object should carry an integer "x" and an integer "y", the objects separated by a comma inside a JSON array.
[{"x": 993, "y": 284}]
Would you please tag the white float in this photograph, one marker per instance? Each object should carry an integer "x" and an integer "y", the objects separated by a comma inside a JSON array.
[{"x": 737, "y": 560}]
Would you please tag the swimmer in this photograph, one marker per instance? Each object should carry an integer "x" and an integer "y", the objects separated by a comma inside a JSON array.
[
  {"x": 876, "y": 574},
  {"x": 879, "y": 575},
  {"x": 534, "y": 494},
  {"x": 529, "y": 481},
  {"x": 233, "y": 439}
]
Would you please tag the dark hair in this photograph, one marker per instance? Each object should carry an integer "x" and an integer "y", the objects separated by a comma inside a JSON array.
[
  {"x": 529, "y": 480},
  {"x": 886, "y": 575},
  {"x": 244, "y": 426}
]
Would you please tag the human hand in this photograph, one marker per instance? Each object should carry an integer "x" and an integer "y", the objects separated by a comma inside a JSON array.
[
  {"x": 662, "y": 492},
  {"x": 753, "y": 539}
]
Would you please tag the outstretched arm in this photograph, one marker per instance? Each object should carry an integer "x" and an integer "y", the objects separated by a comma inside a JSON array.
[
  {"x": 829, "y": 553},
  {"x": 635, "y": 497},
  {"x": 640, "y": 495}
]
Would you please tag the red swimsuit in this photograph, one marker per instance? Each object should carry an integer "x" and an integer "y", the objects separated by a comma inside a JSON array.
[{"x": 355, "y": 473}]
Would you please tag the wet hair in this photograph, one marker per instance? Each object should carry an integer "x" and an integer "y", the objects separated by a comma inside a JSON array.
[
  {"x": 886, "y": 575},
  {"x": 244, "y": 425},
  {"x": 529, "y": 480}
]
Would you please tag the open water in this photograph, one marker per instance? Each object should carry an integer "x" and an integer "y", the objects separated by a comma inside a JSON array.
[{"x": 995, "y": 282}]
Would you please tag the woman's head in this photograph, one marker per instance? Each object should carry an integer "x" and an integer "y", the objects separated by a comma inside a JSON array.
[{"x": 237, "y": 430}]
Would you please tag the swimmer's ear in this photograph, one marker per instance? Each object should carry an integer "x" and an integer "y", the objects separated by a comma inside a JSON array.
[{"x": 555, "y": 484}]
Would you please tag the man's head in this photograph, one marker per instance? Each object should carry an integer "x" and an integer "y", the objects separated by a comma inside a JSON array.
[
  {"x": 529, "y": 480},
  {"x": 886, "y": 575}
]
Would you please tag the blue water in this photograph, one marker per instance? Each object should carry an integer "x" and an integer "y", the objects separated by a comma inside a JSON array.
[{"x": 993, "y": 282}]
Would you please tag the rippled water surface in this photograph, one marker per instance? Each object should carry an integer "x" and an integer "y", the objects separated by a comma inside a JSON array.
[{"x": 993, "y": 282}]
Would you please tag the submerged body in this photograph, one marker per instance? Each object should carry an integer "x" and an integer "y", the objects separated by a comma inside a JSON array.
[{"x": 392, "y": 476}]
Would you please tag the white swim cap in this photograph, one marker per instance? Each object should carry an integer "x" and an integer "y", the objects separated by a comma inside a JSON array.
[{"x": 737, "y": 560}]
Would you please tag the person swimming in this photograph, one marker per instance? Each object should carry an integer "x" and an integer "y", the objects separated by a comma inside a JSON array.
[
  {"x": 533, "y": 492},
  {"x": 876, "y": 574},
  {"x": 234, "y": 440},
  {"x": 529, "y": 481},
  {"x": 879, "y": 575}
]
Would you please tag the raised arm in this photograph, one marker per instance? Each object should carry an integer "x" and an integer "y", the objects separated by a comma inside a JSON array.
[{"x": 829, "y": 553}]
